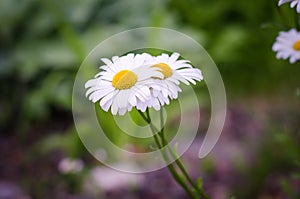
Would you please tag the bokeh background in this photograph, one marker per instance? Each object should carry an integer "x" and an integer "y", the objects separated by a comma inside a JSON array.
[{"x": 42, "y": 44}]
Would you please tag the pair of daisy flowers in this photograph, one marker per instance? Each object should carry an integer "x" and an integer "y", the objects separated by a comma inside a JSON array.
[
  {"x": 141, "y": 81},
  {"x": 287, "y": 44}
]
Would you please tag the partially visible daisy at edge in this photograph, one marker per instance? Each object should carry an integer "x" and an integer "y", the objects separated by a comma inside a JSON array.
[
  {"x": 122, "y": 82},
  {"x": 287, "y": 45},
  {"x": 174, "y": 71},
  {"x": 294, "y": 3}
]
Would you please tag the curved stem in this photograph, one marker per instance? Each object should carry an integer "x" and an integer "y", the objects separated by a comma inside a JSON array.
[
  {"x": 177, "y": 160},
  {"x": 171, "y": 168}
]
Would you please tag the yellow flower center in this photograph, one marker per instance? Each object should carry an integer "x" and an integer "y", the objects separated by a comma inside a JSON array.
[
  {"x": 166, "y": 70},
  {"x": 124, "y": 79},
  {"x": 296, "y": 45}
]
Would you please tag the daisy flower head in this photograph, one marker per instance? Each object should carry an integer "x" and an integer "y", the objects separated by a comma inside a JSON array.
[
  {"x": 122, "y": 82},
  {"x": 174, "y": 71},
  {"x": 287, "y": 45},
  {"x": 294, "y": 3}
]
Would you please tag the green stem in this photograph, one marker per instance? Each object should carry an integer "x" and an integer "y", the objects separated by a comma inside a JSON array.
[
  {"x": 177, "y": 160},
  {"x": 171, "y": 168}
]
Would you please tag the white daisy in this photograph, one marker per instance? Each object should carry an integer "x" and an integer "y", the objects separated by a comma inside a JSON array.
[
  {"x": 174, "y": 71},
  {"x": 287, "y": 45},
  {"x": 121, "y": 83},
  {"x": 294, "y": 3}
]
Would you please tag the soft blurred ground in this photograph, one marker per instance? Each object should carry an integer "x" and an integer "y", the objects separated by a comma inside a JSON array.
[{"x": 42, "y": 44}]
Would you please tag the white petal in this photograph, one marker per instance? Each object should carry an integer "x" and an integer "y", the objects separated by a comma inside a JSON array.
[
  {"x": 174, "y": 57},
  {"x": 293, "y": 4},
  {"x": 164, "y": 58},
  {"x": 141, "y": 106},
  {"x": 114, "y": 108},
  {"x": 98, "y": 94},
  {"x": 175, "y": 81},
  {"x": 106, "y": 61},
  {"x": 298, "y": 7},
  {"x": 106, "y": 99},
  {"x": 122, "y": 111},
  {"x": 92, "y": 82},
  {"x": 115, "y": 58},
  {"x": 146, "y": 72},
  {"x": 179, "y": 77},
  {"x": 143, "y": 93},
  {"x": 132, "y": 99},
  {"x": 163, "y": 100},
  {"x": 106, "y": 105},
  {"x": 155, "y": 104}
]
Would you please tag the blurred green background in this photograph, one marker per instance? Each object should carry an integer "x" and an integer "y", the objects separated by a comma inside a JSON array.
[{"x": 42, "y": 44}]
